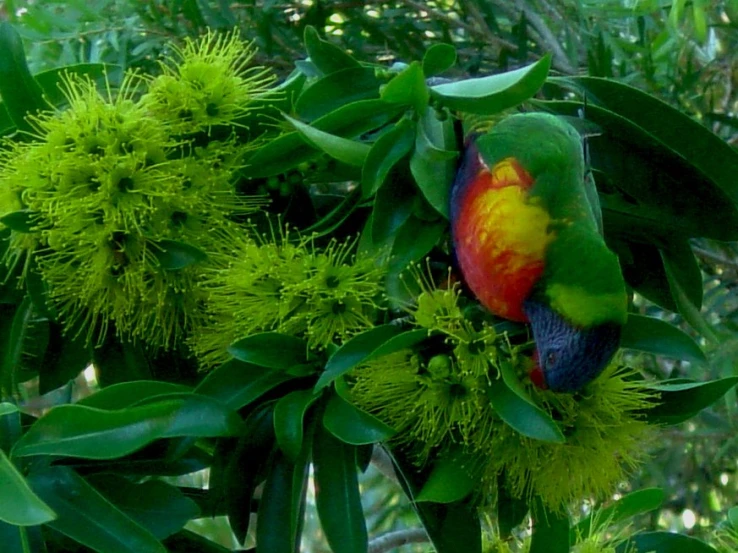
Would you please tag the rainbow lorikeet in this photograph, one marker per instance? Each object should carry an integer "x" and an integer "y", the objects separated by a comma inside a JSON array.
[{"x": 526, "y": 228}]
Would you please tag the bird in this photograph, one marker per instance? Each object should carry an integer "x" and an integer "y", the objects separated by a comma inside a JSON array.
[{"x": 526, "y": 230}]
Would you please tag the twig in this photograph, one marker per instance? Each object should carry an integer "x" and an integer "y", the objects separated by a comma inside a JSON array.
[
  {"x": 481, "y": 31},
  {"x": 560, "y": 60},
  {"x": 383, "y": 463},
  {"x": 391, "y": 540}
]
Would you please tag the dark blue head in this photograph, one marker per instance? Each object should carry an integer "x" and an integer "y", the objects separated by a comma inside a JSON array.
[{"x": 570, "y": 357}]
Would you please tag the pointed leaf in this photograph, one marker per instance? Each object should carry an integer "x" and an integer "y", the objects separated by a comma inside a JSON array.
[
  {"x": 237, "y": 384},
  {"x": 408, "y": 88},
  {"x": 682, "y": 400},
  {"x": 438, "y": 58},
  {"x": 514, "y": 406},
  {"x": 493, "y": 94},
  {"x": 279, "y": 508},
  {"x": 663, "y": 542},
  {"x": 19, "y": 505},
  {"x": 660, "y": 338},
  {"x": 270, "y": 349},
  {"x": 451, "y": 479},
  {"x": 20, "y": 93},
  {"x": 80, "y": 431},
  {"x": 353, "y": 426},
  {"x": 337, "y": 90},
  {"x": 337, "y": 494},
  {"x": 173, "y": 255},
  {"x": 87, "y": 517},
  {"x": 125, "y": 394},
  {"x": 326, "y": 56},
  {"x": 550, "y": 531},
  {"x": 20, "y": 221},
  {"x": 384, "y": 154},
  {"x": 344, "y": 150},
  {"x": 290, "y": 150},
  {"x": 371, "y": 344},
  {"x": 289, "y": 415},
  {"x": 157, "y": 506}
]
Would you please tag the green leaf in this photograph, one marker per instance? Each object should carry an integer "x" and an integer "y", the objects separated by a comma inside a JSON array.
[
  {"x": 87, "y": 517},
  {"x": 23, "y": 321},
  {"x": 344, "y": 150},
  {"x": 655, "y": 194},
  {"x": 663, "y": 542},
  {"x": 681, "y": 264},
  {"x": 280, "y": 507},
  {"x": 337, "y": 494},
  {"x": 371, "y": 344},
  {"x": 682, "y": 400},
  {"x": 451, "y": 479},
  {"x": 76, "y": 430},
  {"x": 21, "y": 539},
  {"x": 438, "y": 58},
  {"x": 199, "y": 416},
  {"x": 326, "y": 56},
  {"x": 336, "y": 90},
  {"x": 353, "y": 426},
  {"x": 246, "y": 468},
  {"x": 290, "y": 150},
  {"x": 433, "y": 163},
  {"x": 676, "y": 130},
  {"x": 550, "y": 531},
  {"x": 515, "y": 407},
  {"x": 270, "y": 349},
  {"x": 384, "y": 154},
  {"x": 393, "y": 206},
  {"x": 415, "y": 239},
  {"x": 511, "y": 511},
  {"x": 20, "y": 93},
  {"x": 19, "y": 221},
  {"x": 289, "y": 415},
  {"x": 237, "y": 384},
  {"x": 408, "y": 88},
  {"x": 7, "y": 408},
  {"x": 733, "y": 517},
  {"x": 685, "y": 303},
  {"x": 125, "y": 394},
  {"x": 493, "y": 94},
  {"x": 19, "y": 505},
  {"x": 157, "y": 506},
  {"x": 628, "y": 506},
  {"x": 660, "y": 338},
  {"x": 173, "y": 255},
  {"x": 80, "y": 431}
]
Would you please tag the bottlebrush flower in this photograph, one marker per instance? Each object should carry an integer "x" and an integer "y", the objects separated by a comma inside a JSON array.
[
  {"x": 105, "y": 183},
  {"x": 277, "y": 284},
  {"x": 207, "y": 82}
]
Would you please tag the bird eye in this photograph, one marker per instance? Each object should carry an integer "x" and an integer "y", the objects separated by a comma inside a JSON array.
[{"x": 550, "y": 359}]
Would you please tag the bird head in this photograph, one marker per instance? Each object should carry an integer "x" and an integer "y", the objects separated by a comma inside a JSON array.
[{"x": 568, "y": 357}]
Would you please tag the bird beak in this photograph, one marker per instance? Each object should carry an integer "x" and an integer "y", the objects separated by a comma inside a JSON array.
[{"x": 536, "y": 374}]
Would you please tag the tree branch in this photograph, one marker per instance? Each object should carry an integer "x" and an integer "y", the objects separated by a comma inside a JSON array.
[
  {"x": 383, "y": 463},
  {"x": 547, "y": 38},
  {"x": 391, "y": 540}
]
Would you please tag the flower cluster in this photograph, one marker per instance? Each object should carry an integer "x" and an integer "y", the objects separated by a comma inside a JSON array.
[
  {"x": 293, "y": 287},
  {"x": 109, "y": 183},
  {"x": 440, "y": 395}
]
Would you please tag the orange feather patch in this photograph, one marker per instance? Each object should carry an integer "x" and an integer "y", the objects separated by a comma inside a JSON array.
[{"x": 501, "y": 236}]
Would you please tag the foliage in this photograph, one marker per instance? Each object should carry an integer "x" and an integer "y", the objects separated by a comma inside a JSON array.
[{"x": 291, "y": 239}]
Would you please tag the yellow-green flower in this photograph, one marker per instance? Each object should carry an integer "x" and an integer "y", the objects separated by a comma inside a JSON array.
[
  {"x": 105, "y": 183},
  {"x": 606, "y": 439},
  {"x": 430, "y": 404},
  {"x": 208, "y": 82},
  {"x": 293, "y": 287}
]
